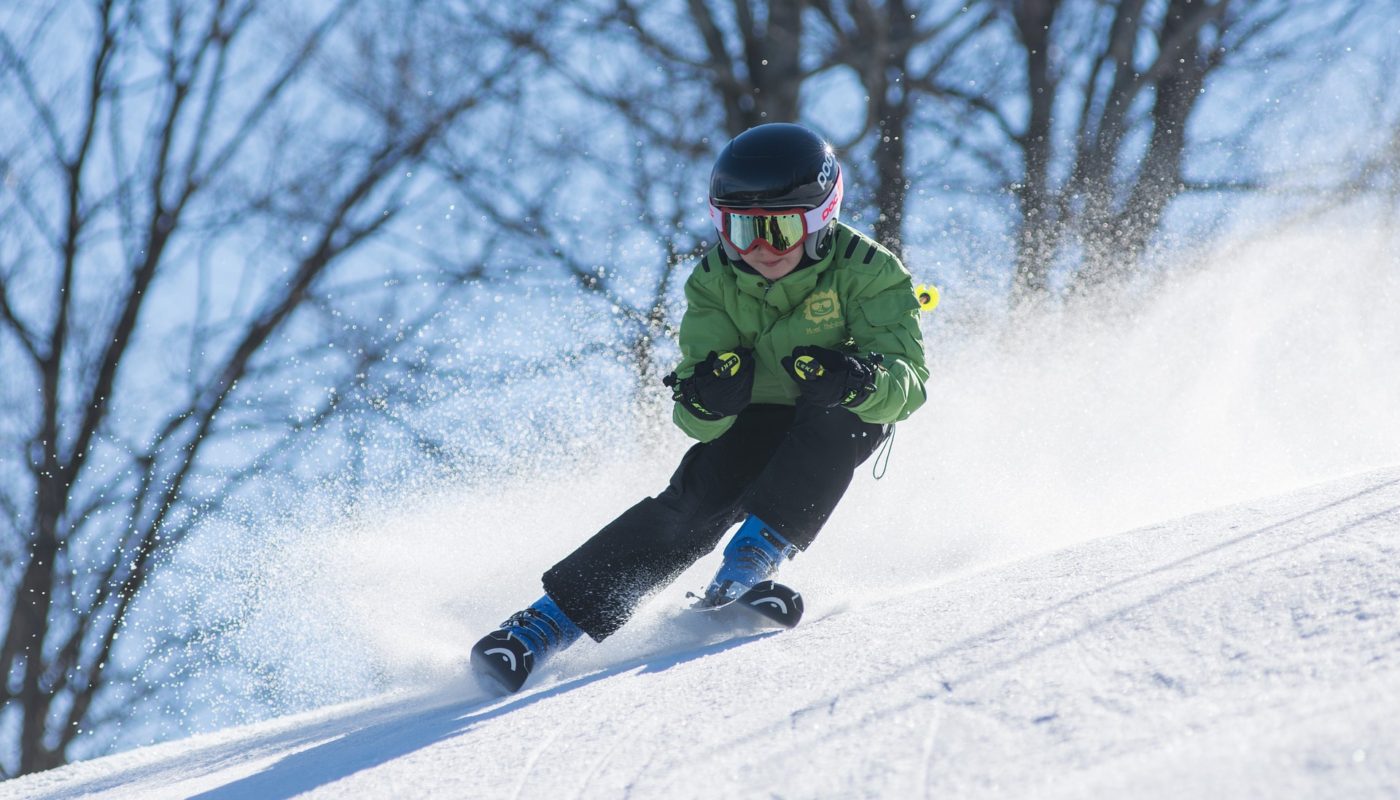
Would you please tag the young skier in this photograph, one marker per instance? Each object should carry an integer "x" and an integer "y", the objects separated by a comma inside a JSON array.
[{"x": 800, "y": 347}]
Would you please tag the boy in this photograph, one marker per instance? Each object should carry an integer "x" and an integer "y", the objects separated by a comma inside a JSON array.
[{"x": 800, "y": 347}]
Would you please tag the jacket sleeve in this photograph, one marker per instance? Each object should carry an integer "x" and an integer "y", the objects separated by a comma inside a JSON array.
[
  {"x": 705, "y": 326},
  {"x": 886, "y": 321}
]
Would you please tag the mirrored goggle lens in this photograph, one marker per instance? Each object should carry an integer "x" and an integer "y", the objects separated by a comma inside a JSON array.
[{"x": 781, "y": 231}]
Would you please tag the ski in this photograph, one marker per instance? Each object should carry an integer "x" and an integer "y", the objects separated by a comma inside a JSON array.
[
  {"x": 503, "y": 661},
  {"x": 779, "y": 604}
]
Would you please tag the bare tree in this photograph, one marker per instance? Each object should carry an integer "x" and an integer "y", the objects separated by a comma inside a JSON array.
[
  {"x": 1079, "y": 111},
  {"x": 1352, "y": 170},
  {"x": 1091, "y": 132},
  {"x": 179, "y": 222},
  {"x": 749, "y": 53},
  {"x": 754, "y": 60},
  {"x": 618, "y": 152},
  {"x": 897, "y": 49}
]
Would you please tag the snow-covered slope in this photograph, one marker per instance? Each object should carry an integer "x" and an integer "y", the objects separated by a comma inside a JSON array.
[{"x": 1252, "y": 651}]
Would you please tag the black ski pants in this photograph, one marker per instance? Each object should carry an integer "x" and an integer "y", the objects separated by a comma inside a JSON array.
[{"x": 788, "y": 465}]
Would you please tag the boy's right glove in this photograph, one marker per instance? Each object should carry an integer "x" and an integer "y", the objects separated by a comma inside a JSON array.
[
  {"x": 830, "y": 378},
  {"x": 722, "y": 385}
]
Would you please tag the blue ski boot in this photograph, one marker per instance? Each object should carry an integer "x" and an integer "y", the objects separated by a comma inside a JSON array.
[
  {"x": 751, "y": 557},
  {"x": 505, "y": 657}
]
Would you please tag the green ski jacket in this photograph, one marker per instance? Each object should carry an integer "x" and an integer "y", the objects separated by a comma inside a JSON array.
[{"x": 858, "y": 299}]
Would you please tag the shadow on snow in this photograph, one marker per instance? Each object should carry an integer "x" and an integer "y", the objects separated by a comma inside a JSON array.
[{"x": 407, "y": 732}]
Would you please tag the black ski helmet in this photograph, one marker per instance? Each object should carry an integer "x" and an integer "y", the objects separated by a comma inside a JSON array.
[{"x": 779, "y": 165}]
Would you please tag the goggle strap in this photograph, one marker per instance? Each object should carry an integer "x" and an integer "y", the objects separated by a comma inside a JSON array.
[{"x": 817, "y": 218}]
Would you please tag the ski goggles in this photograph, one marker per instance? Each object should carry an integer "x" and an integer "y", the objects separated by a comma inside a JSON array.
[{"x": 782, "y": 231}]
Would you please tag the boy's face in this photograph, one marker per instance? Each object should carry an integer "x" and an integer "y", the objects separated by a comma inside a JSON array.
[{"x": 770, "y": 265}]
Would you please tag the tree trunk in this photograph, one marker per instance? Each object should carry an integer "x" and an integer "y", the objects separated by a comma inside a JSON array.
[{"x": 1038, "y": 228}]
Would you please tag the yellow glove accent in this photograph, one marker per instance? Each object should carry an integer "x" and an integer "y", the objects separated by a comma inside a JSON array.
[
  {"x": 808, "y": 368},
  {"x": 727, "y": 365}
]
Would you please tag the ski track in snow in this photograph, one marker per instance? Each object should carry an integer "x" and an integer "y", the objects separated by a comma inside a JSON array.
[{"x": 1252, "y": 651}]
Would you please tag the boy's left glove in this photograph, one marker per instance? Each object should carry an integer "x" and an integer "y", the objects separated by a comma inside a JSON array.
[{"x": 831, "y": 378}]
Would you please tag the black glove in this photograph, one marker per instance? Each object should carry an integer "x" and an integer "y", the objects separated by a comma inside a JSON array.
[
  {"x": 721, "y": 386},
  {"x": 830, "y": 378}
]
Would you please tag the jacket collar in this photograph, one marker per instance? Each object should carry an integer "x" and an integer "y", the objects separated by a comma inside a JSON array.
[{"x": 786, "y": 293}]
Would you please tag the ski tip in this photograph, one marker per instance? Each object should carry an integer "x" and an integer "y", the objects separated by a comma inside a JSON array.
[
  {"x": 502, "y": 662},
  {"x": 777, "y": 604},
  {"x": 781, "y": 604}
]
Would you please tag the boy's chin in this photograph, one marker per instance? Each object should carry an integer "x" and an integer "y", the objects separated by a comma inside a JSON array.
[{"x": 772, "y": 267}]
